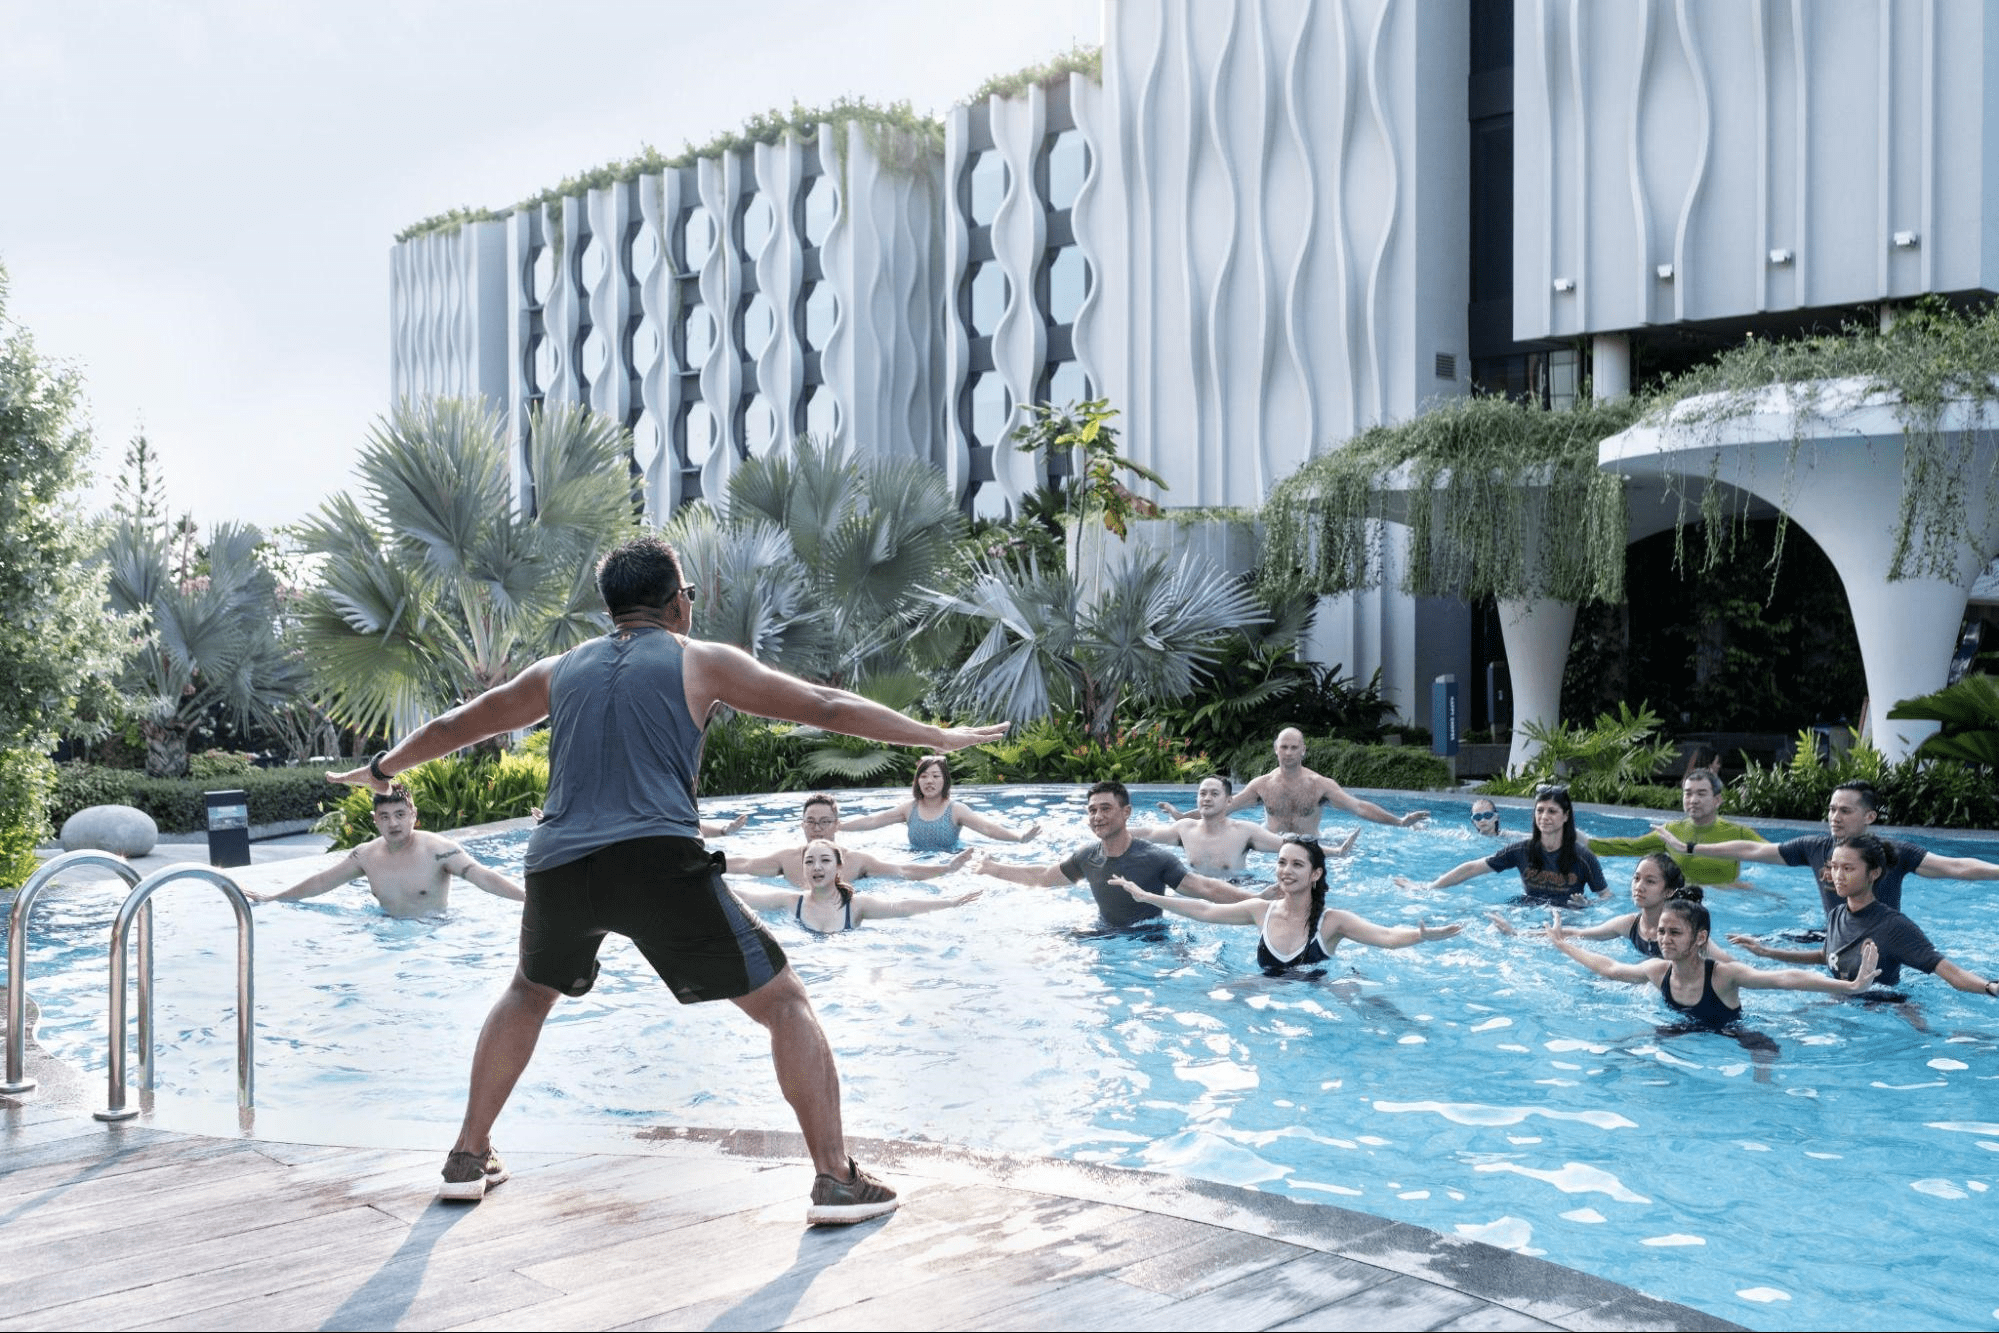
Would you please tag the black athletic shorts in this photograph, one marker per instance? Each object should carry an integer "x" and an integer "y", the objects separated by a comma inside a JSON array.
[{"x": 664, "y": 894}]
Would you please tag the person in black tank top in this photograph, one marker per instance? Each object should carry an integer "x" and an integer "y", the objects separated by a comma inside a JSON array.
[
  {"x": 1705, "y": 990},
  {"x": 1655, "y": 881},
  {"x": 620, "y": 850},
  {"x": 1298, "y": 929}
]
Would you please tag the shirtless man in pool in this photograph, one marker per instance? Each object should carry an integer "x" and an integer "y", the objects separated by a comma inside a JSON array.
[
  {"x": 1217, "y": 844},
  {"x": 1292, "y": 794},
  {"x": 408, "y": 869}
]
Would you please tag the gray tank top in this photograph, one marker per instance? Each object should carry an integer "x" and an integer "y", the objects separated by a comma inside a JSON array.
[{"x": 622, "y": 750}]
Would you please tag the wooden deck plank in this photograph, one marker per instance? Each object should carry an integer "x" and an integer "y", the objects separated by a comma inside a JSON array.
[
  {"x": 1496, "y": 1319},
  {"x": 1214, "y": 1259},
  {"x": 384, "y": 1298},
  {"x": 1092, "y": 1303},
  {"x": 1402, "y": 1302},
  {"x": 1278, "y": 1293}
]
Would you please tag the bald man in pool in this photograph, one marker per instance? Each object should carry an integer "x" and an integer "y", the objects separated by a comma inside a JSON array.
[
  {"x": 620, "y": 850},
  {"x": 408, "y": 870},
  {"x": 1292, "y": 794}
]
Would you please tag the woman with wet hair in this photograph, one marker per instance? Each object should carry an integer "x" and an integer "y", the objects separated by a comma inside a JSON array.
[
  {"x": 1296, "y": 929},
  {"x": 829, "y": 905},
  {"x": 1655, "y": 881},
  {"x": 933, "y": 817},
  {"x": 1552, "y": 866}
]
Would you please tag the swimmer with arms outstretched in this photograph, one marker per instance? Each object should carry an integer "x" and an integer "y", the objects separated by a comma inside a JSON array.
[
  {"x": 1215, "y": 843},
  {"x": 1292, "y": 794},
  {"x": 1856, "y": 867},
  {"x": 933, "y": 817},
  {"x": 408, "y": 870},
  {"x": 1655, "y": 881},
  {"x": 1297, "y": 929},
  {"x": 1553, "y": 866},
  {"x": 829, "y": 904},
  {"x": 1706, "y": 991},
  {"x": 821, "y": 819}
]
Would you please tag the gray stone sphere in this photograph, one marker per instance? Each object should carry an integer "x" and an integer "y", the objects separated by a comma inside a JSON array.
[{"x": 110, "y": 828}]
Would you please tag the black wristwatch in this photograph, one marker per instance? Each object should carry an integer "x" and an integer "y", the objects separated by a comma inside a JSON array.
[{"x": 375, "y": 766}]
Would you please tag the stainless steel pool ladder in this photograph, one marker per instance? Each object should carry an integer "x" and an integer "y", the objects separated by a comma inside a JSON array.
[{"x": 137, "y": 911}]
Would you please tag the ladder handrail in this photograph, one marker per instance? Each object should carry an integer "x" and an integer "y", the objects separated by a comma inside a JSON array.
[
  {"x": 137, "y": 908},
  {"x": 17, "y": 955}
]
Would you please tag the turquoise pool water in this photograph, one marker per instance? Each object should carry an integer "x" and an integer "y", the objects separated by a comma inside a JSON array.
[{"x": 1482, "y": 1086}]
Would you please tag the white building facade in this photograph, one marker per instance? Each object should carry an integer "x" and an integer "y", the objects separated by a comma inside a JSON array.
[{"x": 1271, "y": 225}]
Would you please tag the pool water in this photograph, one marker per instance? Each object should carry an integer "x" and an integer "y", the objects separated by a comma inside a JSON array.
[{"x": 1481, "y": 1086}]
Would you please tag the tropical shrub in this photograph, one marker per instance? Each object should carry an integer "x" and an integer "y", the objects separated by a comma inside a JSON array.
[
  {"x": 219, "y": 764},
  {"x": 26, "y": 781},
  {"x": 436, "y": 585},
  {"x": 1390, "y": 767},
  {"x": 276, "y": 795},
  {"x": 1614, "y": 760},
  {"x": 449, "y": 793},
  {"x": 743, "y": 755},
  {"x": 1939, "y": 793},
  {"x": 1969, "y": 712},
  {"x": 1059, "y": 748}
]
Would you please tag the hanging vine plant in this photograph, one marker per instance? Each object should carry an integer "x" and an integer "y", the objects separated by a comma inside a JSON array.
[
  {"x": 1931, "y": 359},
  {"x": 1497, "y": 475}
]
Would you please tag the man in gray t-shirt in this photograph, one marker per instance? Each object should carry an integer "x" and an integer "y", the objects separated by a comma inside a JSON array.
[{"x": 1116, "y": 852}]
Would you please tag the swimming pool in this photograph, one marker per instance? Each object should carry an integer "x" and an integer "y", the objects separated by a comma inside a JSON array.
[{"x": 1480, "y": 1086}]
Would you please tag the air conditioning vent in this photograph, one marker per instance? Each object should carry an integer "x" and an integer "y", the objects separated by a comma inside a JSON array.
[{"x": 1447, "y": 366}]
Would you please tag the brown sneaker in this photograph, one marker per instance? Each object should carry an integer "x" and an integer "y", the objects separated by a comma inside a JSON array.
[
  {"x": 468, "y": 1175},
  {"x": 841, "y": 1202}
]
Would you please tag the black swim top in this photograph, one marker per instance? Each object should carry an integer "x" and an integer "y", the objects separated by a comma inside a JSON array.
[
  {"x": 1708, "y": 1011},
  {"x": 846, "y": 916},
  {"x": 1650, "y": 948},
  {"x": 1314, "y": 950}
]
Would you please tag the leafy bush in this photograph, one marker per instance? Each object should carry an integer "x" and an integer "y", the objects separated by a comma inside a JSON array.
[
  {"x": 1060, "y": 749},
  {"x": 276, "y": 795},
  {"x": 219, "y": 764},
  {"x": 453, "y": 792},
  {"x": 26, "y": 779},
  {"x": 1613, "y": 760},
  {"x": 745, "y": 754},
  {"x": 1969, "y": 712},
  {"x": 1938, "y": 793},
  {"x": 1390, "y": 767}
]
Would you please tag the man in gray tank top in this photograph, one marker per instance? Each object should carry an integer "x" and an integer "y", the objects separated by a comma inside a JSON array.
[{"x": 619, "y": 849}]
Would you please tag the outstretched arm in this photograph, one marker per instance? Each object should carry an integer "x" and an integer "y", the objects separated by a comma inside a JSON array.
[
  {"x": 769, "y": 865},
  {"x": 1367, "y": 810},
  {"x": 1762, "y": 950},
  {"x": 1968, "y": 982},
  {"x": 1933, "y": 866},
  {"x": 991, "y": 827},
  {"x": 1212, "y": 889},
  {"x": 1039, "y": 877},
  {"x": 865, "y": 822},
  {"x": 1337, "y": 924},
  {"x": 1163, "y": 833},
  {"x": 346, "y": 868},
  {"x": 868, "y": 864},
  {"x": 1745, "y": 977},
  {"x": 870, "y": 907},
  {"x": 720, "y": 672},
  {"x": 1607, "y": 968},
  {"x": 1455, "y": 875},
  {"x": 482, "y": 876},
  {"x": 520, "y": 703},
  {"x": 764, "y": 899},
  {"x": 1236, "y": 913},
  {"x": 1735, "y": 849},
  {"x": 710, "y": 829},
  {"x": 1606, "y": 930}
]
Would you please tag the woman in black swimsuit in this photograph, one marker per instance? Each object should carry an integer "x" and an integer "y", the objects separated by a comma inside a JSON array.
[
  {"x": 829, "y": 905},
  {"x": 1706, "y": 992},
  {"x": 1297, "y": 929},
  {"x": 1655, "y": 881}
]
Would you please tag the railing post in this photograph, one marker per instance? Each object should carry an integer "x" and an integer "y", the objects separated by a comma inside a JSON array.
[{"x": 17, "y": 955}]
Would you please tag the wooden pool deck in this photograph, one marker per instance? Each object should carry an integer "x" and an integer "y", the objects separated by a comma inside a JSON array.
[{"x": 129, "y": 1227}]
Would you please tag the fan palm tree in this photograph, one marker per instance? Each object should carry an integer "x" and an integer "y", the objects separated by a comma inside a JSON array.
[
  {"x": 210, "y": 636},
  {"x": 1147, "y": 638},
  {"x": 436, "y": 584}
]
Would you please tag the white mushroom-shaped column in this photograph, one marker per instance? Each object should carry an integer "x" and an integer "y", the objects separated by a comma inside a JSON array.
[{"x": 1838, "y": 458}]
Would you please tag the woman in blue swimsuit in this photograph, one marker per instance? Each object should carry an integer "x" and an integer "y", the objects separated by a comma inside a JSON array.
[
  {"x": 934, "y": 818},
  {"x": 1297, "y": 929},
  {"x": 1705, "y": 992},
  {"x": 829, "y": 904}
]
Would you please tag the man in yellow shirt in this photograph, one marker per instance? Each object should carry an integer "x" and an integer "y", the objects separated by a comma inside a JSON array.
[{"x": 1700, "y": 797}]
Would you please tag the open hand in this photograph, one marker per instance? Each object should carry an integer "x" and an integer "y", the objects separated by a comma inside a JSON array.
[
  {"x": 1673, "y": 843},
  {"x": 1555, "y": 931},
  {"x": 1413, "y": 818},
  {"x": 1033, "y": 830},
  {"x": 359, "y": 777},
  {"x": 1501, "y": 924},
  {"x": 735, "y": 825},
  {"x": 957, "y": 738},
  {"x": 1754, "y": 945},
  {"x": 1404, "y": 882},
  {"x": 964, "y": 898},
  {"x": 1443, "y": 932},
  {"x": 958, "y": 862},
  {"x": 1870, "y": 967},
  {"x": 1119, "y": 881}
]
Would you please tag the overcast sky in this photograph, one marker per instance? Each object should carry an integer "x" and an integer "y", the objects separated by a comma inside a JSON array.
[{"x": 198, "y": 197}]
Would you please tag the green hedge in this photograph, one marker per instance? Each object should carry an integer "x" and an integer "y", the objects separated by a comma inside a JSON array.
[
  {"x": 1389, "y": 767},
  {"x": 176, "y": 805},
  {"x": 25, "y": 782}
]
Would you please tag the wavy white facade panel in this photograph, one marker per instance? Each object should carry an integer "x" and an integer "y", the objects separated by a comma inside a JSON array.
[
  {"x": 1292, "y": 203},
  {"x": 1020, "y": 240},
  {"x": 1679, "y": 160},
  {"x": 557, "y": 373},
  {"x": 654, "y": 365},
  {"x": 955, "y": 443},
  {"x": 721, "y": 378},
  {"x": 1101, "y": 330},
  {"x": 447, "y": 315},
  {"x": 779, "y": 171},
  {"x": 604, "y": 268},
  {"x": 883, "y": 258}
]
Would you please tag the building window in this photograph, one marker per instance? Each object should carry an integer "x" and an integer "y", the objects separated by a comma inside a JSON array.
[
  {"x": 1067, "y": 162},
  {"x": 759, "y": 426},
  {"x": 822, "y": 210},
  {"x": 697, "y": 335},
  {"x": 758, "y": 221},
  {"x": 990, "y": 406},
  {"x": 989, "y": 298},
  {"x": 696, "y": 238},
  {"x": 822, "y": 311},
  {"x": 700, "y": 431},
  {"x": 822, "y": 414},
  {"x": 1067, "y": 384},
  {"x": 759, "y": 323},
  {"x": 986, "y": 185},
  {"x": 1068, "y": 284}
]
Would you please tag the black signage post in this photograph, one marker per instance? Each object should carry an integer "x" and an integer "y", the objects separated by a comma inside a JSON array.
[{"x": 228, "y": 828}]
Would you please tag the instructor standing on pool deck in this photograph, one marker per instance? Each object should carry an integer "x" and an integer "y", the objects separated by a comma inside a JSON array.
[{"x": 619, "y": 851}]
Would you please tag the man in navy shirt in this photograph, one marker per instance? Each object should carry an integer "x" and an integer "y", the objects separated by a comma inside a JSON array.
[
  {"x": 1852, "y": 811},
  {"x": 1116, "y": 852},
  {"x": 1856, "y": 867}
]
